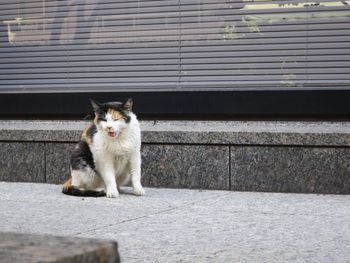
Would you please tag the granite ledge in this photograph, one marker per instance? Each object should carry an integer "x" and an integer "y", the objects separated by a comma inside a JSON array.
[{"x": 194, "y": 132}]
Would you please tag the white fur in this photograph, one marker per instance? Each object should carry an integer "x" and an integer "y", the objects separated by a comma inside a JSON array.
[{"x": 117, "y": 159}]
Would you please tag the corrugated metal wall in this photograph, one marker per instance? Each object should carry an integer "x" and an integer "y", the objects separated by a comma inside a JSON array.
[{"x": 63, "y": 46}]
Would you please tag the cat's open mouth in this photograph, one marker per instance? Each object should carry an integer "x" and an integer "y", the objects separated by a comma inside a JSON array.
[{"x": 112, "y": 134}]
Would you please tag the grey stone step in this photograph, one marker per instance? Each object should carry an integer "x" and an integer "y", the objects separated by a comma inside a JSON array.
[
  {"x": 305, "y": 133},
  {"x": 267, "y": 156},
  {"x": 29, "y": 248}
]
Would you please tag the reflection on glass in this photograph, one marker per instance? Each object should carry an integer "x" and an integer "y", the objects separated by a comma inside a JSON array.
[
  {"x": 313, "y": 11},
  {"x": 36, "y": 28},
  {"x": 227, "y": 43},
  {"x": 28, "y": 31}
]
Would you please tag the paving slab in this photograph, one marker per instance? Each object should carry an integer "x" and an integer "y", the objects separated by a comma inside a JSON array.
[{"x": 173, "y": 225}]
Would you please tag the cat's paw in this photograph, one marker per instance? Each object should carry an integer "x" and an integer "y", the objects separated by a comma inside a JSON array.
[
  {"x": 112, "y": 193},
  {"x": 139, "y": 191}
]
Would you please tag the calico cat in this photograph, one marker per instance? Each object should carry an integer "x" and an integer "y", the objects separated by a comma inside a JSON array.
[{"x": 108, "y": 153}]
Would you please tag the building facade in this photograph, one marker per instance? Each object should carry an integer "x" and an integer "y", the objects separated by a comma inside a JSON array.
[{"x": 178, "y": 58}]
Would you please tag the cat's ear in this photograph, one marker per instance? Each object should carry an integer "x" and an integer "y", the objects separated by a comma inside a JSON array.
[
  {"x": 127, "y": 105},
  {"x": 95, "y": 105}
]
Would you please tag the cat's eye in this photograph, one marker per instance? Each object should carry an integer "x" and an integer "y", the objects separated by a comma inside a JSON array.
[{"x": 101, "y": 119}]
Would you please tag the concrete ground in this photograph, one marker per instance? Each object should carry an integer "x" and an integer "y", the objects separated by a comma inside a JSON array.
[{"x": 171, "y": 225}]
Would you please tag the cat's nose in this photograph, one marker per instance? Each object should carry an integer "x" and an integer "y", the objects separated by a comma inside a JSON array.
[{"x": 109, "y": 127}]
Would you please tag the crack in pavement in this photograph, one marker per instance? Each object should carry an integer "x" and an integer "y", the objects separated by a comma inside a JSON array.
[{"x": 217, "y": 197}]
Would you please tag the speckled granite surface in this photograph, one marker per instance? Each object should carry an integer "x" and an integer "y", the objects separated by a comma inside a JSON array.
[
  {"x": 252, "y": 132},
  {"x": 50, "y": 131},
  {"x": 291, "y": 169},
  {"x": 57, "y": 162},
  {"x": 23, "y": 162},
  {"x": 199, "y": 167},
  {"x": 310, "y": 157},
  {"x": 179, "y": 166},
  {"x": 194, "y": 132}
]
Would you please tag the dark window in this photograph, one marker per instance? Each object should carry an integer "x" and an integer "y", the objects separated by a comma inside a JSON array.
[{"x": 179, "y": 46}]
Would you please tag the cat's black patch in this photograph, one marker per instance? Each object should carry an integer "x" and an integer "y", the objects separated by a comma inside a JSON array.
[
  {"x": 102, "y": 108},
  {"x": 101, "y": 115},
  {"x": 111, "y": 105},
  {"x": 89, "y": 117},
  {"x": 72, "y": 190},
  {"x": 91, "y": 131},
  {"x": 82, "y": 156},
  {"x": 127, "y": 118}
]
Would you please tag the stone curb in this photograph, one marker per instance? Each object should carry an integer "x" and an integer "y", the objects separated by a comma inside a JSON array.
[{"x": 194, "y": 132}]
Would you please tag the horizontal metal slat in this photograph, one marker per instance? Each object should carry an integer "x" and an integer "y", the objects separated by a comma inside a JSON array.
[
  {"x": 237, "y": 44},
  {"x": 264, "y": 41},
  {"x": 107, "y": 14},
  {"x": 92, "y": 85},
  {"x": 287, "y": 77},
  {"x": 263, "y": 28},
  {"x": 258, "y": 47},
  {"x": 324, "y": 66},
  {"x": 93, "y": 74},
  {"x": 270, "y": 78},
  {"x": 37, "y": 7},
  {"x": 239, "y": 54},
  {"x": 88, "y": 27},
  {"x": 264, "y": 53},
  {"x": 92, "y": 63},
  {"x": 286, "y": 59},
  {"x": 14, "y": 53},
  {"x": 93, "y": 57},
  {"x": 92, "y": 47},
  {"x": 88, "y": 68},
  {"x": 337, "y": 72},
  {"x": 263, "y": 85},
  {"x": 89, "y": 80},
  {"x": 342, "y": 65}
]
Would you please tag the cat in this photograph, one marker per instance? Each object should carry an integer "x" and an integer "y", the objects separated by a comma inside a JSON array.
[{"x": 108, "y": 153}]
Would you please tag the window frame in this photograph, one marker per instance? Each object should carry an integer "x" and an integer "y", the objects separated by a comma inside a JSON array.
[{"x": 203, "y": 105}]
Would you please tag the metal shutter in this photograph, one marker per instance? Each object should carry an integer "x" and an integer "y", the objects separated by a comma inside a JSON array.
[{"x": 66, "y": 46}]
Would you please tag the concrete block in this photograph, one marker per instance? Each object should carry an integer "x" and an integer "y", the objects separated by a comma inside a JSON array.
[
  {"x": 291, "y": 169},
  {"x": 185, "y": 166},
  {"x": 22, "y": 162},
  {"x": 29, "y": 248}
]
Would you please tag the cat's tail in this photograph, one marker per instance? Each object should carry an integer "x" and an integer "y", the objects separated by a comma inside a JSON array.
[{"x": 70, "y": 189}]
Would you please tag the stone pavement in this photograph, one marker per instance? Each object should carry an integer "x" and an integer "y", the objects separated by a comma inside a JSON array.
[{"x": 172, "y": 225}]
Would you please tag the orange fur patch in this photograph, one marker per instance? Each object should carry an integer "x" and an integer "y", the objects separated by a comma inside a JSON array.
[
  {"x": 67, "y": 185},
  {"x": 85, "y": 136},
  {"x": 116, "y": 115}
]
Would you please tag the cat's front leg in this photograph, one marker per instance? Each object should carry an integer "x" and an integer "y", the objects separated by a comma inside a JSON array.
[
  {"x": 110, "y": 185},
  {"x": 135, "y": 169},
  {"x": 107, "y": 173}
]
